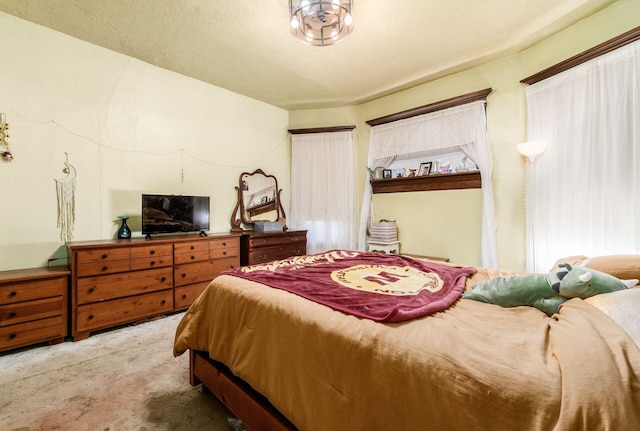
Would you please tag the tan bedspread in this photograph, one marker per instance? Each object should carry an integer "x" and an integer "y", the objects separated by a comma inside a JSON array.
[{"x": 475, "y": 366}]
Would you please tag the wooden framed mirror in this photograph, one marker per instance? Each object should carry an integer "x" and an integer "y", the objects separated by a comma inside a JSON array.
[{"x": 258, "y": 200}]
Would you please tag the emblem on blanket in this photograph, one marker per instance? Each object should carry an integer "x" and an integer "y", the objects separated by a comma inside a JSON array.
[
  {"x": 377, "y": 286},
  {"x": 387, "y": 280}
]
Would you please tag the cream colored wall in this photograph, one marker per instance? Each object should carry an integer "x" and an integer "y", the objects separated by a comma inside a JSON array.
[
  {"x": 448, "y": 223},
  {"x": 128, "y": 128}
]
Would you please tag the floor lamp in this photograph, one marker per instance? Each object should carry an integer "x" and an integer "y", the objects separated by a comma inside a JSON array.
[{"x": 532, "y": 149}]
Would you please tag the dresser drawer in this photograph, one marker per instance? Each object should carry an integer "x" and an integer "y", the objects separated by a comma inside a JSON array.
[
  {"x": 203, "y": 271},
  {"x": 151, "y": 251},
  {"x": 94, "y": 289},
  {"x": 269, "y": 254},
  {"x": 151, "y": 262},
  {"x": 34, "y": 289},
  {"x": 105, "y": 314},
  {"x": 193, "y": 273},
  {"x": 270, "y": 240},
  {"x": 224, "y": 264},
  {"x": 152, "y": 256},
  {"x": 231, "y": 250},
  {"x": 37, "y": 331},
  {"x": 185, "y": 295},
  {"x": 103, "y": 255},
  {"x": 224, "y": 243},
  {"x": 20, "y": 312},
  {"x": 190, "y": 247},
  {"x": 195, "y": 256},
  {"x": 107, "y": 267},
  {"x": 294, "y": 249}
]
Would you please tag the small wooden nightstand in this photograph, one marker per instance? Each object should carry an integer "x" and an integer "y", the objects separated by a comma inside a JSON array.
[{"x": 33, "y": 306}]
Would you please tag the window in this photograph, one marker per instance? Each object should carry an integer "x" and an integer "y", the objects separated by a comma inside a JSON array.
[
  {"x": 323, "y": 189},
  {"x": 586, "y": 196}
]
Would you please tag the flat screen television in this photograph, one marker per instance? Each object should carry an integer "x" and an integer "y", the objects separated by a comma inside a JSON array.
[{"x": 173, "y": 213}]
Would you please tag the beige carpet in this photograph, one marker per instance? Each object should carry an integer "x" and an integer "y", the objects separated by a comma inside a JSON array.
[{"x": 123, "y": 379}]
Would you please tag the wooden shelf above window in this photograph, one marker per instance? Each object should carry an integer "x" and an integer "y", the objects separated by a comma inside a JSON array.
[{"x": 455, "y": 181}]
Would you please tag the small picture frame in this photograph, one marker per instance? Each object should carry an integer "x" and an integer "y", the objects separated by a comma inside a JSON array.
[
  {"x": 386, "y": 174},
  {"x": 425, "y": 168}
]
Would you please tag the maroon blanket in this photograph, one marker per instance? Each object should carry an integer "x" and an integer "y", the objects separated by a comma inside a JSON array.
[{"x": 381, "y": 287}]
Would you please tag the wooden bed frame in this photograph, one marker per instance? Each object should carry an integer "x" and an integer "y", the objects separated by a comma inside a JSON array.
[{"x": 247, "y": 404}]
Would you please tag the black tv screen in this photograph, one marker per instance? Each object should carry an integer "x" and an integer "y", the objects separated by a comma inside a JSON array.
[{"x": 171, "y": 213}]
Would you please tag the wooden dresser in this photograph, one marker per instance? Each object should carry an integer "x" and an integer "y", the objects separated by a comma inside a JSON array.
[
  {"x": 114, "y": 282},
  {"x": 266, "y": 247},
  {"x": 33, "y": 306}
]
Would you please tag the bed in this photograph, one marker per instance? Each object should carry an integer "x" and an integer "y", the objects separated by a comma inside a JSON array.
[{"x": 280, "y": 361}]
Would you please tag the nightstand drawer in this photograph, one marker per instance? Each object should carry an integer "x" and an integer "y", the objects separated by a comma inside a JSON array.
[
  {"x": 94, "y": 289},
  {"x": 34, "y": 289},
  {"x": 30, "y": 310},
  {"x": 37, "y": 331}
]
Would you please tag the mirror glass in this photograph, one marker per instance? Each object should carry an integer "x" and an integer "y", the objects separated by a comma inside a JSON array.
[
  {"x": 258, "y": 200},
  {"x": 258, "y": 197}
]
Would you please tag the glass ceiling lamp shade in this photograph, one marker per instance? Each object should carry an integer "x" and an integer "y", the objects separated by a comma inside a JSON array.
[{"x": 320, "y": 22}]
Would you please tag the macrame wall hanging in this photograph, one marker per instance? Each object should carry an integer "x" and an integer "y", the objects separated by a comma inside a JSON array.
[
  {"x": 5, "y": 152},
  {"x": 66, "y": 191}
]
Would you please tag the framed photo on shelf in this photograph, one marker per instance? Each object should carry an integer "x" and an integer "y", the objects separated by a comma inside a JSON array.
[
  {"x": 386, "y": 174},
  {"x": 425, "y": 168}
]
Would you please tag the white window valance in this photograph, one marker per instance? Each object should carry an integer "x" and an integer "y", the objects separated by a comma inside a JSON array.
[{"x": 459, "y": 128}]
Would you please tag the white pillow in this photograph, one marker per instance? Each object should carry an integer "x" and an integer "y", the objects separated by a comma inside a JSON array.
[{"x": 623, "y": 306}]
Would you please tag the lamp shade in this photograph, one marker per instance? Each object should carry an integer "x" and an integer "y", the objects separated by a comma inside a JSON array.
[
  {"x": 320, "y": 22},
  {"x": 531, "y": 149}
]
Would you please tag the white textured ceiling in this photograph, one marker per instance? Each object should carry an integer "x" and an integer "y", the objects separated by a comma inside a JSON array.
[{"x": 245, "y": 46}]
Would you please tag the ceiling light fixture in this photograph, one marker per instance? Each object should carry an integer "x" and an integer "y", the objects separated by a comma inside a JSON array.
[{"x": 321, "y": 22}]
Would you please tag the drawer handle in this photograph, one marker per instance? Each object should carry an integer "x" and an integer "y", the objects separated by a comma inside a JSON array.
[
  {"x": 193, "y": 257},
  {"x": 263, "y": 256},
  {"x": 224, "y": 244},
  {"x": 13, "y": 293},
  {"x": 163, "y": 279},
  {"x": 192, "y": 247},
  {"x": 163, "y": 302},
  {"x": 153, "y": 262},
  {"x": 90, "y": 317},
  {"x": 13, "y": 314},
  {"x": 13, "y": 335},
  {"x": 104, "y": 255},
  {"x": 184, "y": 296},
  {"x": 104, "y": 268},
  {"x": 152, "y": 252},
  {"x": 184, "y": 275},
  {"x": 224, "y": 253},
  {"x": 92, "y": 289}
]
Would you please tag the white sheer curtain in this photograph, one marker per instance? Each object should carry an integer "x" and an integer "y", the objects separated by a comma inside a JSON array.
[
  {"x": 460, "y": 128},
  {"x": 586, "y": 196},
  {"x": 323, "y": 190}
]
